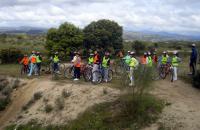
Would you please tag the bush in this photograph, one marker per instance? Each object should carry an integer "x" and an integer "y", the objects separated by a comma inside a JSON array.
[
  {"x": 37, "y": 95},
  {"x": 4, "y": 101},
  {"x": 196, "y": 81},
  {"x": 48, "y": 108},
  {"x": 59, "y": 103},
  {"x": 138, "y": 46},
  {"x": 11, "y": 55},
  {"x": 66, "y": 93}
]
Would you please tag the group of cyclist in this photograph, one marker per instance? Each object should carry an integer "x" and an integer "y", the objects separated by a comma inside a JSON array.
[
  {"x": 35, "y": 61},
  {"x": 97, "y": 61},
  {"x": 151, "y": 60}
]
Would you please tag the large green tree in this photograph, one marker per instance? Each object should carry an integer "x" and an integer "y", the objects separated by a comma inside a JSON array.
[
  {"x": 65, "y": 38},
  {"x": 103, "y": 34}
]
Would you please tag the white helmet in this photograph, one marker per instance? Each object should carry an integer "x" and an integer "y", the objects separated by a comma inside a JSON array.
[
  {"x": 193, "y": 45},
  {"x": 132, "y": 52},
  {"x": 149, "y": 53},
  {"x": 175, "y": 52},
  {"x": 164, "y": 52}
]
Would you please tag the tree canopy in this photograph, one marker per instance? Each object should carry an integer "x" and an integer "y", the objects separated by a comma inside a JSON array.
[
  {"x": 65, "y": 38},
  {"x": 103, "y": 34}
]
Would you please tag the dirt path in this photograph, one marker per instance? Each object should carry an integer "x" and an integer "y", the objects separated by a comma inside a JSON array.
[
  {"x": 20, "y": 97},
  {"x": 184, "y": 111}
]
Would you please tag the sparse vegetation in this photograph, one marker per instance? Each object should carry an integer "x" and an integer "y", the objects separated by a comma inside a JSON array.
[
  {"x": 35, "y": 97},
  {"x": 124, "y": 113},
  {"x": 6, "y": 88}
]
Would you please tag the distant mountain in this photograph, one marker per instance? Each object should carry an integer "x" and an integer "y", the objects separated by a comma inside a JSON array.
[
  {"x": 157, "y": 36},
  {"x": 23, "y": 29}
]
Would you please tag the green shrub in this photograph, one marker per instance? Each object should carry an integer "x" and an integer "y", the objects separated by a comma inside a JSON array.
[
  {"x": 48, "y": 108},
  {"x": 4, "y": 101},
  {"x": 37, "y": 95},
  {"x": 196, "y": 80},
  {"x": 59, "y": 103},
  {"x": 11, "y": 55}
]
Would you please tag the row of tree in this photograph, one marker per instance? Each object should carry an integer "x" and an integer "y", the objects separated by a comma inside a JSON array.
[{"x": 101, "y": 34}]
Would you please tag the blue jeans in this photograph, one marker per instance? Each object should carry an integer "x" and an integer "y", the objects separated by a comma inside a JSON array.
[
  {"x": 105, "y": 73},
  {"x": 55, "y": 67},
  {"x": 32, "y": 69}
]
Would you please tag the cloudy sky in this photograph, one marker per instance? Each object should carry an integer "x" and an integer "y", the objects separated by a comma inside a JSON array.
[{"x": 178, "y": 16}]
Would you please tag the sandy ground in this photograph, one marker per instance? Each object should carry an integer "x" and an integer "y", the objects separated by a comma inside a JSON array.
[
  {"x": 183, "y": 111},
  {"x": 83, "y": 95}
]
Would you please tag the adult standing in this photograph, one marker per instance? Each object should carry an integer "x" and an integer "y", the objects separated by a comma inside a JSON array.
[
  {"x": 39, "y": 62},
  {"x": 96, "y": 65},
  {"x": 193, "y": 60},
  {"x": 33, "y": 61}
]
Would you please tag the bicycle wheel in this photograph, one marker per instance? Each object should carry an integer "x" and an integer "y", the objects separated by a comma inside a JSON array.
[
  {"x": 97, "y": 77},
  {"x": 22, "y": 70},
  {"x": 61, "y": 67},
  {"x": 87, "y": 74},
  {"x": 69, "y": 72},
  {"x": 110, "y": 75},
  {"x": 162, "y": 73}
]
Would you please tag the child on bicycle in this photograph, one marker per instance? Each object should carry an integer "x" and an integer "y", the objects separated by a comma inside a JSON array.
[
  {"x": 25, "y": 63},
  {"x": 106, "y": 65},
  {"x": 175, "y": 63},
  {"x": 133, "y": 65}
]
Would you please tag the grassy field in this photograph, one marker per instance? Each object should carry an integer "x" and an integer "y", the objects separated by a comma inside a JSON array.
[
  {"x": 10, "y": 69},
  {"x": 26, "y": 43}
]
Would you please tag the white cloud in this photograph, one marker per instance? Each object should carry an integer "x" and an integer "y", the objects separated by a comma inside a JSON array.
[{"x": 181, "y": 16}]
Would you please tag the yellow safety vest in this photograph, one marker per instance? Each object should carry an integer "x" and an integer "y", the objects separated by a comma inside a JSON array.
[
  {"x": 90, "y": 60},
  {"x": 133, "y": 62},
  {"x": 105, "y": 62},
  {"x": 38, "y": 59},
  {"x": 55, "y": 59},
  {"x": 175, "y": 61},
  {"x": 164, "y": 59}
]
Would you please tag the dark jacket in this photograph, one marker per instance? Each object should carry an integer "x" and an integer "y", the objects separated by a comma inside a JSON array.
[{"x": 193, "y": 57}]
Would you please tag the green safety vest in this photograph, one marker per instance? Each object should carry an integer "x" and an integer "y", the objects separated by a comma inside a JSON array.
[
  {"x": 55, "y": 59},
  {"x": 133, "y": 62},
  {"x": 164, "y": 60},
  {"x": 38, "y": 59},
  {"x": 127, "y": 59},
  {"x": 175, "y": 61},
  {"x": 150, "y": 61},
  {"x": 105, "y": 62},
  {"x": 90, "y": 60}
]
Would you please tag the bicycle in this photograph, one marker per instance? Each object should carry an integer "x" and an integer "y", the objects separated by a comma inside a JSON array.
[
  {"x": 86, "y": 72},
  {"x": 23, "y": 70},
  {"x": 165, "y": 70},
  {"x": 99, "y": 74}
]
